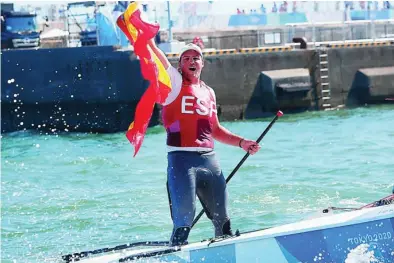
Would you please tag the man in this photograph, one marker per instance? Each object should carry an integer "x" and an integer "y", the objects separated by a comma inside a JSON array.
[{"x": 190, "y": 118}]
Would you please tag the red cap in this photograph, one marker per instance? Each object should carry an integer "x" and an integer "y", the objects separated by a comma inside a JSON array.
[{"x": 279, "y": 114}]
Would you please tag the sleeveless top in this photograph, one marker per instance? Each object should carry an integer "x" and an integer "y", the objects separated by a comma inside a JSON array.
[{"x": 188, "y": 116}]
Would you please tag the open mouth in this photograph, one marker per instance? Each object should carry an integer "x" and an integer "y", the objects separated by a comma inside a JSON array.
[{"x": 192, "y": 68}]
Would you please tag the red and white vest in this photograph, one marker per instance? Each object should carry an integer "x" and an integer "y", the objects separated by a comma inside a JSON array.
[{"x": 189, "y": 119}]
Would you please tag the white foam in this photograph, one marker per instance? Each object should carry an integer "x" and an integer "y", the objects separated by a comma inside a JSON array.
[{"x": 361, "y": 254}]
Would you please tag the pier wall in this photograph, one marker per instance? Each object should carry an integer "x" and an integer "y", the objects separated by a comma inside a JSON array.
[{"x": 96, "y": 89}]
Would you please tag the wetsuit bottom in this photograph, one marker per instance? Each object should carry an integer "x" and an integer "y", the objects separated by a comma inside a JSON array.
[{"x": 190, "y": 174}]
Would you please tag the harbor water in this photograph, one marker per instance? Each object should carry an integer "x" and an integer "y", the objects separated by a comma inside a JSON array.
[{"x": 70, "y": 192}]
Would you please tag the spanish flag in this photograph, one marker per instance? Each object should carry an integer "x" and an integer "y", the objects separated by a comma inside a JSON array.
[{"x": 139, "y": 33}]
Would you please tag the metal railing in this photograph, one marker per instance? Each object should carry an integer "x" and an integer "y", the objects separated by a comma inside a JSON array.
[
  {"x": 338, "y": 31},
  {"x": 282, "y": 35}
]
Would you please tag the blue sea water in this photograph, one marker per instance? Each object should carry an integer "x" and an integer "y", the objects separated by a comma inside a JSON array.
[{"x": 69, "y": 192}]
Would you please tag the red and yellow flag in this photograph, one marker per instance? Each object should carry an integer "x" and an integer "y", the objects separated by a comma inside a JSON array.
[{"x": 139, "y": 33}]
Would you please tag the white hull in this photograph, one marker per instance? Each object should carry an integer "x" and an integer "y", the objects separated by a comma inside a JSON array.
[{"x": 333, "y": 238}]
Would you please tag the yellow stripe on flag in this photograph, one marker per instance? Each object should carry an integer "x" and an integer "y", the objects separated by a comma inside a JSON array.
[
  {"x": 127, "y": 14},
  {"x": 163, "y": 76}
]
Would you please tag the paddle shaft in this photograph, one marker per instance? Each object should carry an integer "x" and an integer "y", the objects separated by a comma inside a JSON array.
[{"x": 279, "y": 114}]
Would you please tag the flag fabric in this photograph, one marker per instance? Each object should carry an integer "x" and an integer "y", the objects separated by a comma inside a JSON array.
[{"x": 139, "y": 33}]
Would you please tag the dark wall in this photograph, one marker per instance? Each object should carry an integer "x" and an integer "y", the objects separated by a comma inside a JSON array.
[
  {"x": 96, "y": 88},
  {"x": 344, "y": 63},
  {"x": 371, "y": 85}
]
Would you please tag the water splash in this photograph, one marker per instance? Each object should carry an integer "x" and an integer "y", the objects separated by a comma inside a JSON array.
[{"x": 362, "y": 254}]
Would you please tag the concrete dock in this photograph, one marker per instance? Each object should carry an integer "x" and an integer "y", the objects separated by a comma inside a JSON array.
[{"x": 96, "y": 89}]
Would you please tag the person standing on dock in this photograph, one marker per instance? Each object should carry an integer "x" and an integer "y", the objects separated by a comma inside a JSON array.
[{"x": 191, "y": 122}]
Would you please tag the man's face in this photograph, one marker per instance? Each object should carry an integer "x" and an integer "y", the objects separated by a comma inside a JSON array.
[{"x": 191, "y": 64}]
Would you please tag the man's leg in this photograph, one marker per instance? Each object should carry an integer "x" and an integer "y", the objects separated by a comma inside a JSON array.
[
  {"x": 182, "y": 195},
  {"x": 212, "y": 192}
]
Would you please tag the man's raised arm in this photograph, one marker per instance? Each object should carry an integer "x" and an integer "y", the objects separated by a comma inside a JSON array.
[{"x": 160, "y": 54}]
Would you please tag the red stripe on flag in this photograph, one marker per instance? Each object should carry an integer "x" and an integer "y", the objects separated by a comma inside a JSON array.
[
  {"x": 122, "y": 25},
  {"x": 157, "y": 91}
]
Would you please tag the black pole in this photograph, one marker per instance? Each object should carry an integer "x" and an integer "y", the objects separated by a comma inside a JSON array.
[
  {"x": 79, "y": 255},
  {"x": 278, "y": 114}
]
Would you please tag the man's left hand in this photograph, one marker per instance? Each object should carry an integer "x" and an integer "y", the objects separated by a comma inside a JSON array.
[{"x": 249, "y": 146}]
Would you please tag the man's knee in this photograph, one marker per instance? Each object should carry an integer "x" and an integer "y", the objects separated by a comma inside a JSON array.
[{"x": 179, "y": 236}]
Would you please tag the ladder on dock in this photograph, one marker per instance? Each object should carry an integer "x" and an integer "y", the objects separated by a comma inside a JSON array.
[{"x": 324, "y": 80}]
